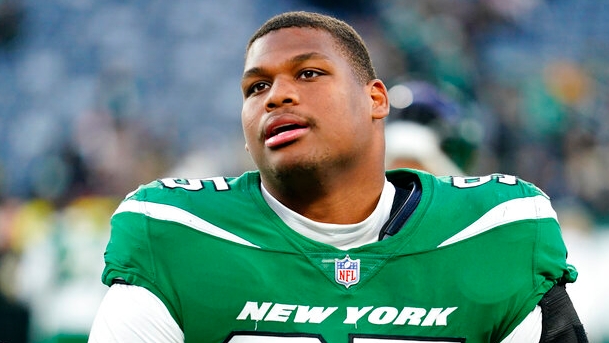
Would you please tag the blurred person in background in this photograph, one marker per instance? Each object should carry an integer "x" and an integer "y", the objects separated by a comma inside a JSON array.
[
  {"x": 321, "y": 244},
  {"x": 14, "y": 314},
  {"x": 422, "y": 131}
]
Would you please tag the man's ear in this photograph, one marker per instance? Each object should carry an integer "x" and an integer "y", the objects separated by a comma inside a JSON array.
[
  {"x": 380, "y": 99},
  {"x": 247, "y": 148}
]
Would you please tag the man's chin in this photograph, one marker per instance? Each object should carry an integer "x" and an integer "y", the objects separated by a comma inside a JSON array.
[{"x": 287, "y": 169}]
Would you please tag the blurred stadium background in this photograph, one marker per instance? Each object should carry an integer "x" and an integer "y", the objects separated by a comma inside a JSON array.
[{"x": 97, "y": 97}]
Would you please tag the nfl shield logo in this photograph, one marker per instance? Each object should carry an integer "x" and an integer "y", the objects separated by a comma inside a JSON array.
[{"x": 346, "y": 271}]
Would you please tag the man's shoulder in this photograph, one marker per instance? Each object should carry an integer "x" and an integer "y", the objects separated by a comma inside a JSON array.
[
  {"x": 466, "y": 206},
  {"x": 489, "y": 194},
  {"x": 486, "y": 189},
  {"x": 210, "y": 199},
  {"x": 174, "y": 190},
  {"x": 217, "y": 206}
]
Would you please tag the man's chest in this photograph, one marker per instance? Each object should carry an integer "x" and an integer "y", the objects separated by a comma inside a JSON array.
[{"x": 336, "y": 297}]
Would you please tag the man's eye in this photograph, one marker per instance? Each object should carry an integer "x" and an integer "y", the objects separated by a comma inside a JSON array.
[
  {"x": 257, "y": 87},
  {"x": 307, "y": 74}
]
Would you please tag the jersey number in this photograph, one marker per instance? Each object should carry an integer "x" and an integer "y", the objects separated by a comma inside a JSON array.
[
  {"x": 195, "y": 184},
  {"x": 269, "y": 338},
  {"x": 475, "y": 181}
]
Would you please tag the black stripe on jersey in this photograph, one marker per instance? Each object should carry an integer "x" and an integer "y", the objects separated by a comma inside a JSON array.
[{"x": 404, "y": 203}]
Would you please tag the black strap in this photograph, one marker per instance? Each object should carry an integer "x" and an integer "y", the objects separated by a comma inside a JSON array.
[
  {"x": 119, "y": 281},
  {"x": 404, "y": 203},
  {"x": 560, "y": 323}
]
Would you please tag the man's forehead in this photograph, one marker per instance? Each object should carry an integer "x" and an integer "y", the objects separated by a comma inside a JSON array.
[{"x": 292, "y": 38}]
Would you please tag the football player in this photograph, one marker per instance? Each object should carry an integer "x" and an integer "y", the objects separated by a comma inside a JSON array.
[{"x": 320, "y": 244}]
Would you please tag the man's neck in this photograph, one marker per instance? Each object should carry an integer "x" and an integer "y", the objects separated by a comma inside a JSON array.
[
  {"x": 340, "y": 202},
  {"x": 342, "y": 236}
]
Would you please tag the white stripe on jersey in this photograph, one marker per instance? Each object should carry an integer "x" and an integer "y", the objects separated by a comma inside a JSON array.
[
  {"x": 180, "y": 216},
  {"x": 536, "y": 207}
]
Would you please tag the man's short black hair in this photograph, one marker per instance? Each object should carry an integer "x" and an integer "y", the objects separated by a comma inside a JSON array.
[{"x": 348, "y": 41}]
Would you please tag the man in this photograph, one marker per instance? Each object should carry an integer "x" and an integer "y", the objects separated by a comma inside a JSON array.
[{"x": 320, "y": 244}]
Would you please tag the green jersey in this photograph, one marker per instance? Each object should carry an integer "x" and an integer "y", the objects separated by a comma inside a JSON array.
[{"x": 469, "y": 265}]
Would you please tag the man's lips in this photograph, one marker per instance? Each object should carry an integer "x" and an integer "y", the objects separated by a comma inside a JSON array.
[
  {"x": 285, "y": 137},
  {"x": 284, "y": 129}
]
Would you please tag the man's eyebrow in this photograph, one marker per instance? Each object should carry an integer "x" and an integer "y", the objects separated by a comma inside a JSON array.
[
  {"x": 255, "y": 71},
  {"x": 252, "y": 72},
  {"x": 308, "y": 56}
]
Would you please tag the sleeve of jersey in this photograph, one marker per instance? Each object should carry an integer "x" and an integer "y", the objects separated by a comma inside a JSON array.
[
  {"x": 551, "y": 253},
  {"x": 128, "y": 255}
]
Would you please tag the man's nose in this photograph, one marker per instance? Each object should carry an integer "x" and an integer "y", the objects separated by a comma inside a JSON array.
[{"x": 283, "y": 92}]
